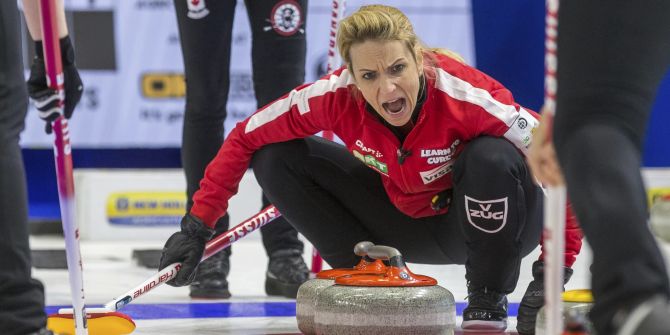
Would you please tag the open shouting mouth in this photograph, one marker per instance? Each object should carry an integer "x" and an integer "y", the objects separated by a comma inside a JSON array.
[{"x": 395, "y": 107}]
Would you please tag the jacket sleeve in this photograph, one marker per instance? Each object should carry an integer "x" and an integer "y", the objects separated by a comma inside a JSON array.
[
  {"x": 486, "y": 106},
  {"x": 302, "y": 112}
]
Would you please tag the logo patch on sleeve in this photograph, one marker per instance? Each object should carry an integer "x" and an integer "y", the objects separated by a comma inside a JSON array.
[
  {"x": 489, "y": 216},
  {"x": 521, "y": 131}
]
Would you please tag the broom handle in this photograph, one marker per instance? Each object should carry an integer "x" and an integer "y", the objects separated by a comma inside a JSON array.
[
  {"x": 555, "y": 207},
  {"x": 215, "y": 245},
  {"x": 63, "y": 159},
  {"x": 336, "y": 15}
]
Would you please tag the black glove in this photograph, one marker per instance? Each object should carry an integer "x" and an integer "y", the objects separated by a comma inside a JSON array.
[
  {"x": 187, "y": 247},
  {"x": 45, "y": 98},
  {"x": 533, "y": 299}
]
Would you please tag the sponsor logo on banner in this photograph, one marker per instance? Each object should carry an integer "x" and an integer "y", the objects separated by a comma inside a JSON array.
[
  {"x": 489, "y": 216},
  {"x": 659, "y": 212},
  {"x": 146, "y": 208},
  {"x": 285, "y": 18},
  {"x": 436, "y": 173},
  {"x": 163, "y": 85},
  {"x": 153, "y": 4},
  {"x": 658, "y": 194},
  {"x": 241, "y": 86},
  {"x": 90, "y": 98},
  {"x": 197, "y": 9},
  {"x": 372, "y": 162}
]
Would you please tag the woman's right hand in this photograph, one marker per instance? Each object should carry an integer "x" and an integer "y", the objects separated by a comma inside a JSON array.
[
  {"x": 542, "y": 155},
  {"x": 186, "y": 246}
]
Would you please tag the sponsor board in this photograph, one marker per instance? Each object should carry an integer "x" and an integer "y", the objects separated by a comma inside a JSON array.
[{"x": 146, "y": 208}]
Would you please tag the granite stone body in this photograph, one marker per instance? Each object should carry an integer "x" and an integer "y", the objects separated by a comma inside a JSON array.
[
  {"x": 353, "y": 310},
  {"x": 306, "y": 301}
]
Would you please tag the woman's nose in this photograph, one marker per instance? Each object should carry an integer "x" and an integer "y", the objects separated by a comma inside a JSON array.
[{"x": 387, "y": 85}]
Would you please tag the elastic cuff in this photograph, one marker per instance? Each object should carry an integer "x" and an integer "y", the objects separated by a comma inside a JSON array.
[
  {"x": 195, "y": 227},
  {"x": 205, "y": 213},
  {"x": 66, "y": 50}
]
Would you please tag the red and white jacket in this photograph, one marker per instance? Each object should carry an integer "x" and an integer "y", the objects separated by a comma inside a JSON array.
[{"x": 461, "y": 104}]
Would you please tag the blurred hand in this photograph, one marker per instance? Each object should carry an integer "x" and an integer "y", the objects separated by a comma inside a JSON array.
[
  {"x": 46, "y": 100},
  {"x": 542, "y": 155},
  {"x": 186, "y": 247}
]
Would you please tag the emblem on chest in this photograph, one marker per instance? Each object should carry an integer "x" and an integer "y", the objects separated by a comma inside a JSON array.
[
  {"x": 371, "y": 157},
  {"x": 440, "y": 156}
]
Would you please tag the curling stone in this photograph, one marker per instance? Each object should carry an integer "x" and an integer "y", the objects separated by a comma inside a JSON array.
[
  {"x": 659, "y": 217},
  {"x": 576, "y": 307},
  {"x": 395, "y": 302},
  {"x": 309, "y": 290}
]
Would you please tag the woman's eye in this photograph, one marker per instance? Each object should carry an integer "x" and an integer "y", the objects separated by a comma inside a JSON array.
[
  {"x": 398, "y": 68},
  {"x": 368, "y": 75}
]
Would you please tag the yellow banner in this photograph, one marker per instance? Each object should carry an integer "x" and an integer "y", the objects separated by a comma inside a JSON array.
[
  {"x": 146, "y": 208},
  {"x": 658, "y": 193}
]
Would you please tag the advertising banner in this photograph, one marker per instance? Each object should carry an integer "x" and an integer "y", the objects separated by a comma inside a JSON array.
[{"x": 131, "y": 63}]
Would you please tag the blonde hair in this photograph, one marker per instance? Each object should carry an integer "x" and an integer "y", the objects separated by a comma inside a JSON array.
[{"x": 385, "y": 23}]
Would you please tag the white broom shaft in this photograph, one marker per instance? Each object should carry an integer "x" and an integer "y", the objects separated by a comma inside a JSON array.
[
  {"x": 336, "y": 16},
  {"x": 117, "y": 303},
  {"x": 555, "y": 207},
  {"x": 550, "y": 59},
  {"x": 63, "y": 160},
  {"x": 554, "y": 247}
]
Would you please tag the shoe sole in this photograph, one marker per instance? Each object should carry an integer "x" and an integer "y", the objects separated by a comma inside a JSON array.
[
  {"x": 278, "y": 288},
  {"x": 480, "y": 326},
  {"x": 209, "y": 294}
]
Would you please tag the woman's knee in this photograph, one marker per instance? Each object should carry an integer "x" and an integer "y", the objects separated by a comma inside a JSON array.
[
  {"x": 275, "y": 158},
  {"x": 488, "y": 155}
]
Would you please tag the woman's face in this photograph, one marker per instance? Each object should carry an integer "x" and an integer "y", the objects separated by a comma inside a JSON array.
[{"x": 388, "y": 76}]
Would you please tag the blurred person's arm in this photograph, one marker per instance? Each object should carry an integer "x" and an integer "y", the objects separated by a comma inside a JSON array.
[
  {"x": 31, "y": 11},
  {"x": 45, "y": 99}
]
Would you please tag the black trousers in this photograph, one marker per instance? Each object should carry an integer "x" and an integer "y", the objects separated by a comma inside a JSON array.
[
  {"x": 612, "y": 56},
  {"x": 21, "y": 297},
  {"x": 336, "y": 201},
  {"x": 278, "y": 60}
]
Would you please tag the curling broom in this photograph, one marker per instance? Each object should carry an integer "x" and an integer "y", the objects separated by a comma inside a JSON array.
[{"x": 107, "y": 321}]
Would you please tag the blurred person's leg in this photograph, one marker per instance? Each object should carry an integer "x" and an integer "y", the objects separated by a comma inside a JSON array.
[
  {"x": 278, "y": 58},
  {"x": 206, "y": 44},
  {"x": 611, "y": 58},
  {"x": 21, "y": 297}
]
